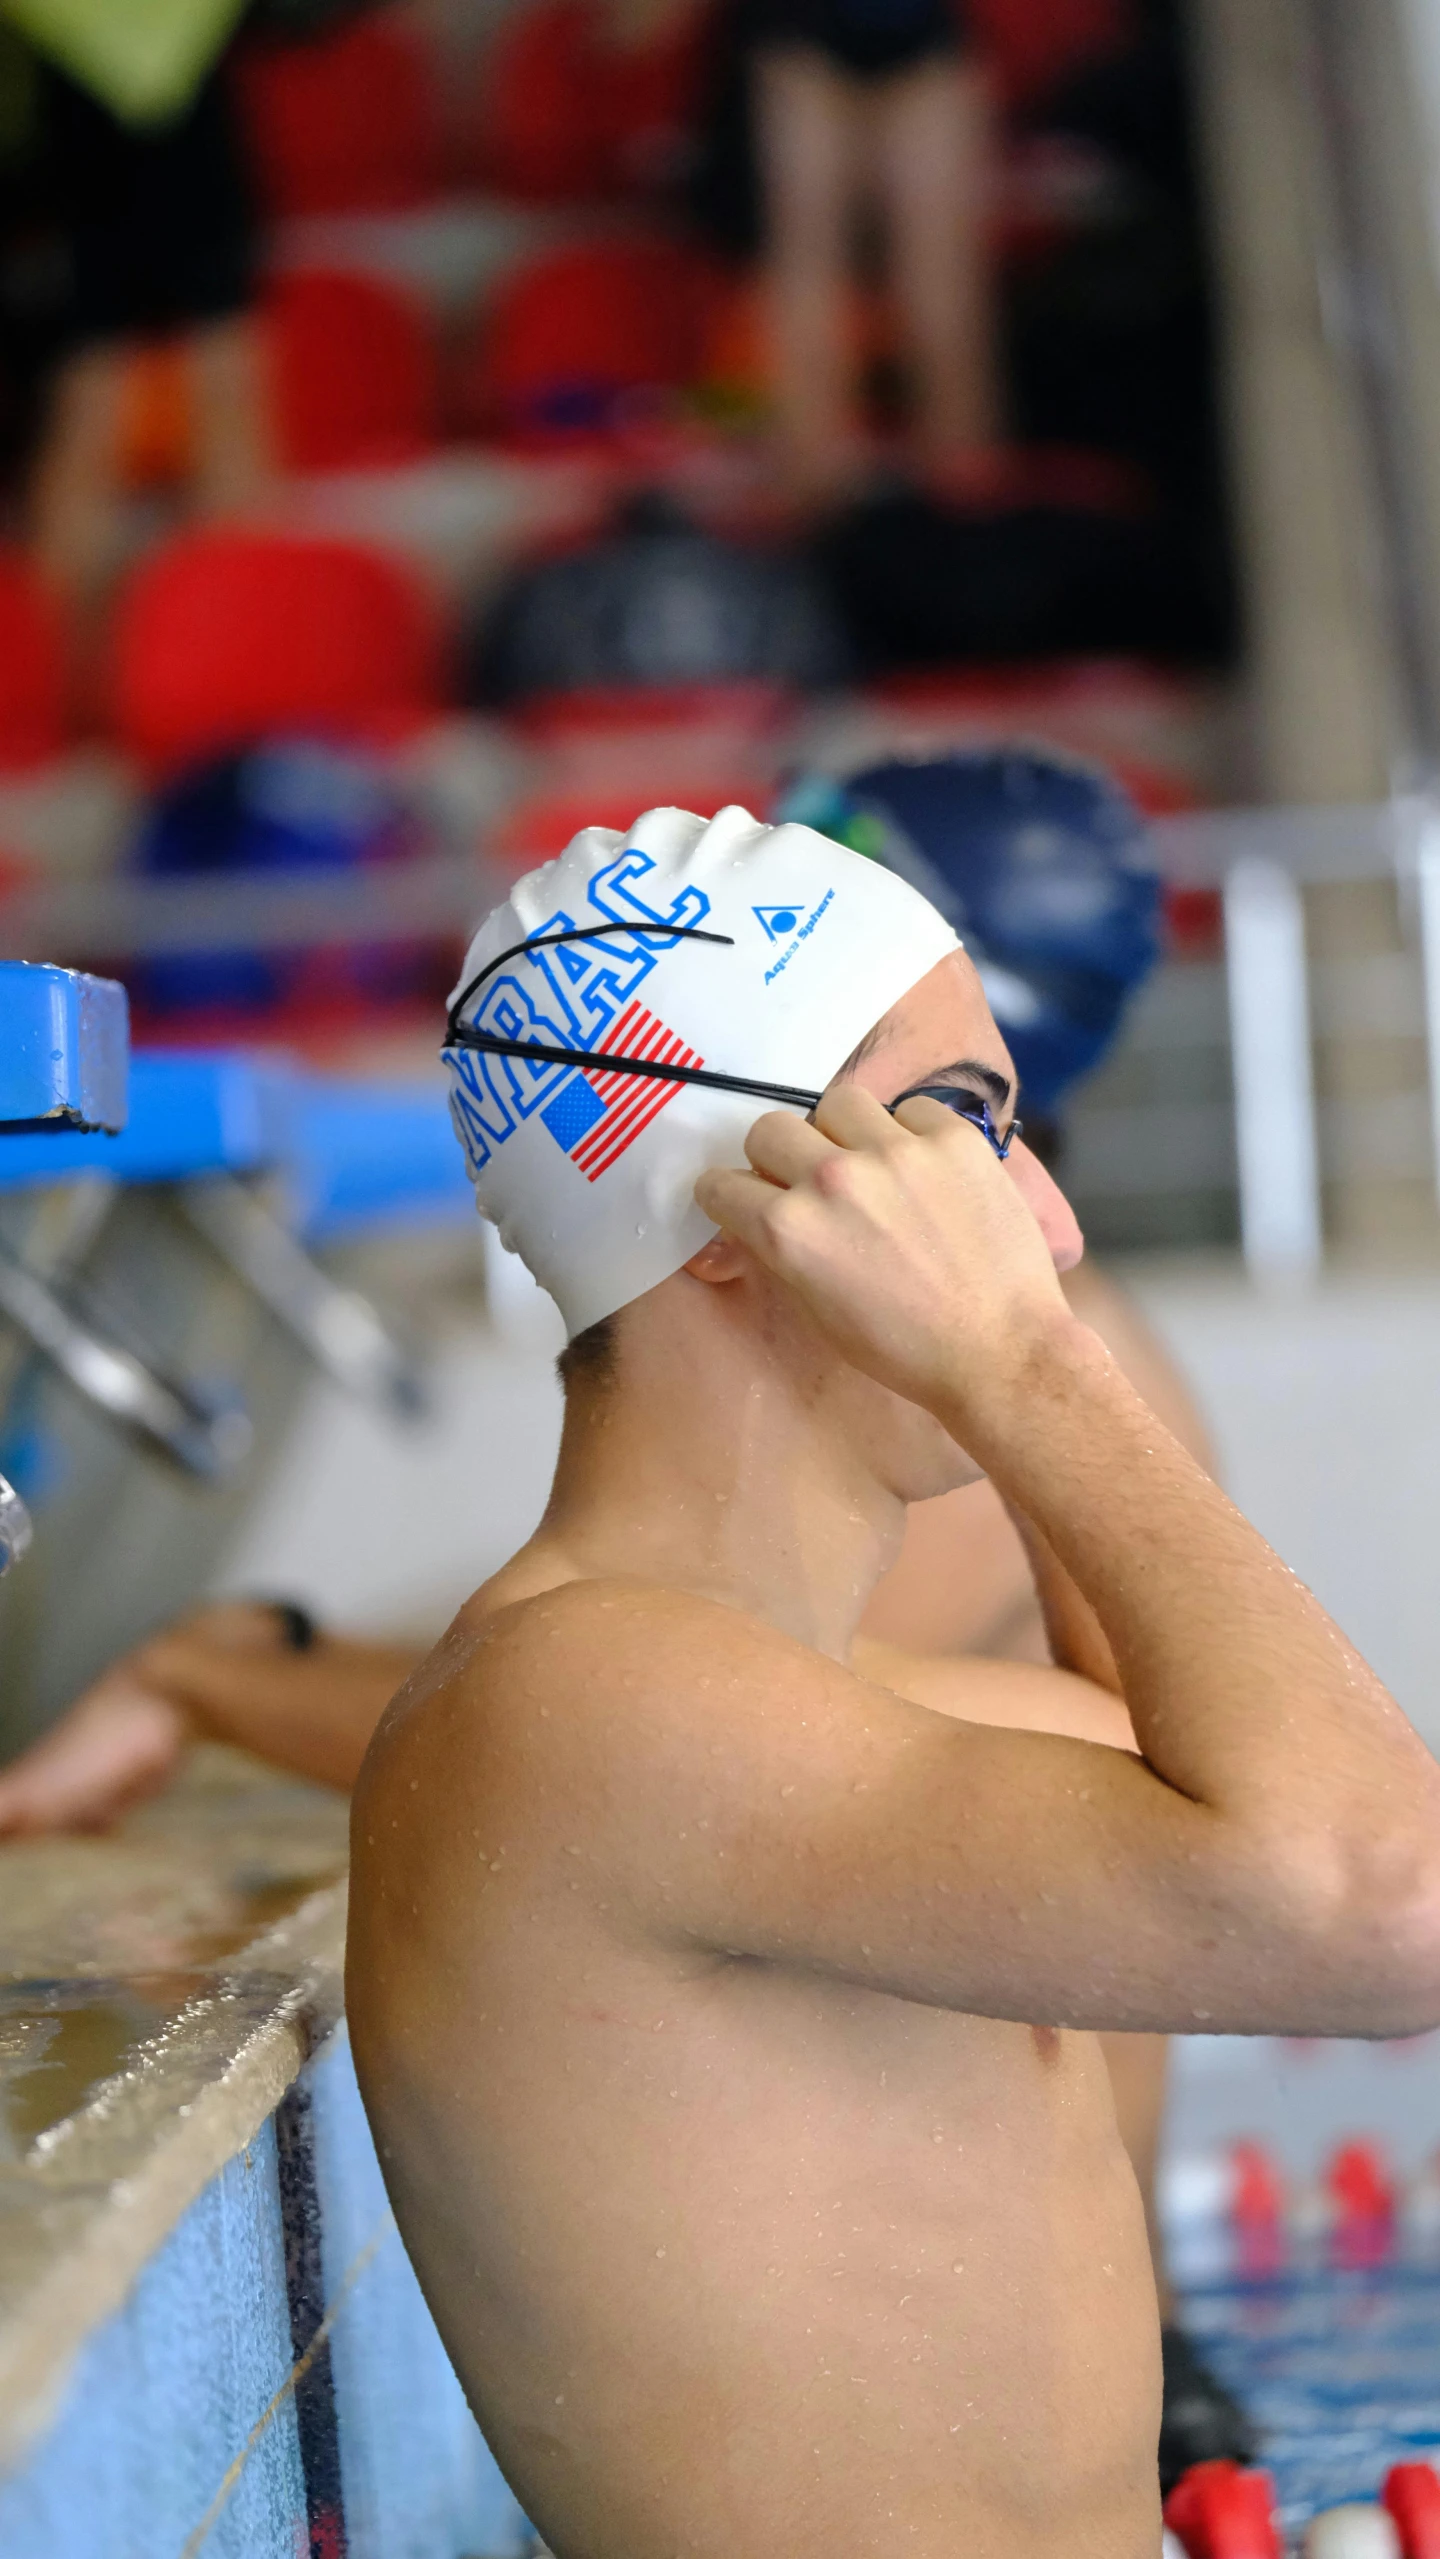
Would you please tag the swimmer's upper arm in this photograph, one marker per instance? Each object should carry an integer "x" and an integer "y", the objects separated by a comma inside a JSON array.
[{"x": 744, "y": 1794}]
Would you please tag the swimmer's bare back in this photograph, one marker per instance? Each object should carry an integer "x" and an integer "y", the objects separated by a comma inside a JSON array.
[{"x": 724, "y": 2016}]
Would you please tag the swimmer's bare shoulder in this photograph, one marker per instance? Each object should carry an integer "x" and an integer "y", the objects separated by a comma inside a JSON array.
[
  {"x": 717, "y": 1784},
  {"x": 725, "y": 1787},
  {"x": 613, "y": 1711}
]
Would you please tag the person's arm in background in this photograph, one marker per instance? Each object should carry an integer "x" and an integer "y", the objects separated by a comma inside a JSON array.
[
  {"x": 226, "y": 1673},
  {"x": 969, "y": 1579},
  {"x": 973, "y": 1577}
]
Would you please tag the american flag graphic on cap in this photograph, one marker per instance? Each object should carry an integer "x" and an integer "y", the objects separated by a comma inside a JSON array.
[{"x": 596, "y": 1116}]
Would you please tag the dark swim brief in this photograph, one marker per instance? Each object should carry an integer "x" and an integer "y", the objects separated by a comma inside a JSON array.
[{"x": 868, "y": 38}]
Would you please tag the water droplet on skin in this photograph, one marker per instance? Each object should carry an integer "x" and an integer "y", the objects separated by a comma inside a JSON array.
[
  {"x": 414, "y": 1785},
  {"x": 659, "y": 2252},
  {"x": 787, "y": 1790},
  {"x": 957, "y": 2268},
  {"x": 559, "y": 2398}
]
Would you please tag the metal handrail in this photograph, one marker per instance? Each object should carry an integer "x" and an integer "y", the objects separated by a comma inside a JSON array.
[{"x": 205, "y": 1438}]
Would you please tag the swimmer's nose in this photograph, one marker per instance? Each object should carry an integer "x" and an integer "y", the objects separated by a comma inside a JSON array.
[{"x": 1047, "y": 1204}]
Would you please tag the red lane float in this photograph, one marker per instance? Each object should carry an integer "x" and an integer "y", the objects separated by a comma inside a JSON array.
[
  {"x": 1411, "y": 2497},
  {"x": 1257, "y": 2209},
  {"x": 1219, "y": 2511},
  {"x": 1362, "y": 2197}
]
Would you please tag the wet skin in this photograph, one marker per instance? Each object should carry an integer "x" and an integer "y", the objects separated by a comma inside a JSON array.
[
  {"x": 735, "y": 2255},
  {"x": 731, "y": 2258},
  {"x": 708, "y": 1973}
]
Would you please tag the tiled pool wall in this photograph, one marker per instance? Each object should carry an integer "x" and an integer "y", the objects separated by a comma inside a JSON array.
[{"x": 274, "y": 2386}]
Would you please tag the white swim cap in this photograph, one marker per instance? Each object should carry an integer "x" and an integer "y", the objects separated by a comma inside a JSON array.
[{"x": 590, "y": 1176}]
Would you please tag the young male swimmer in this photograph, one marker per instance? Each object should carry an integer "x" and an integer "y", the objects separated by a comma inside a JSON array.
[{"x": 725, "y": 2018}]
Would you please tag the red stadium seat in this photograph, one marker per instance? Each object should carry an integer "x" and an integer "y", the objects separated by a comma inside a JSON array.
[
  {"x": 563, "y": 113},
  {"x": 1032, "y": 45},
  {"x": 572, "y": 332},
  {"x": 224, "y": 637},
  {"x": 540, "y": 122},
  {"x": 654, "y": 96},
  {"x": 344, "y": 124},
  {"x": 354, "y": 373},
  {"x": 32, "y": 667}
]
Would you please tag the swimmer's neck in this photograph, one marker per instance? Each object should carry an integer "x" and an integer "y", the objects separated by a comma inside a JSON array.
[{"x": 727, "y": 1486}]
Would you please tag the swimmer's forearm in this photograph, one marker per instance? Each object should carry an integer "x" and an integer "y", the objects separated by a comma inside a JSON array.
[
  {"x": 1244, "y": 1695},
  {"x": 310, "y": 1712},
  {"x": 1075, "y": 1636}
]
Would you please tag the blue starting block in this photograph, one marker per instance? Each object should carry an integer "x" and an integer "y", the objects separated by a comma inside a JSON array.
[
  {"x": 352, "y": 1159},
  {"x": 64, "y": 1046},
  {"x": 357, "y": 1158},
  {"x": 188, "y": 1115}
]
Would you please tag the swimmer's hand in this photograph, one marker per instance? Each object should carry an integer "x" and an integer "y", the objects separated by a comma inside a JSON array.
[{"x": 907, "y": 1239}]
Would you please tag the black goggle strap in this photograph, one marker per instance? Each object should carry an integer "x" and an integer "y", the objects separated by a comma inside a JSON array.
[
  {"x": 599, "y": 1062},
  {"x": 458, "y": 1034},
  {"x": 454, "y": 1027}
]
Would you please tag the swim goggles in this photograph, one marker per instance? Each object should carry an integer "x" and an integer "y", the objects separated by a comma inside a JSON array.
[{"x": 462, "y": 1034}]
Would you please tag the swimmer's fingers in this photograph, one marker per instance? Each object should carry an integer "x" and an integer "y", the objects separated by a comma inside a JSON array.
[
  {"x": 854, "y": 1118},
  {"x": 924, "y": 1117},
  {"x": 785, "y": 1149},
  {"x": 790, "y": 1154}
]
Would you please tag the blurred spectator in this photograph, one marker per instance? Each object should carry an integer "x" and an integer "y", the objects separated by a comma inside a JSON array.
[
  {"x": 655, "y": 601},
  {"x": 885, "y": 99},
  {"x": 153, "y": 237}
]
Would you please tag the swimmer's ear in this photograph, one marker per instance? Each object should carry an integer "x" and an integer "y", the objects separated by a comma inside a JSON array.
[{"x": 720, "y": 1260}]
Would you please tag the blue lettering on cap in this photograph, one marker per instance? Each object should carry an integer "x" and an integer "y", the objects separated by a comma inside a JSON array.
[{"x": 776, "y": 921}]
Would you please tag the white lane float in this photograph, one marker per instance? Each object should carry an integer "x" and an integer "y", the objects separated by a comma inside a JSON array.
[{"x": 1352, "y": 2532}]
